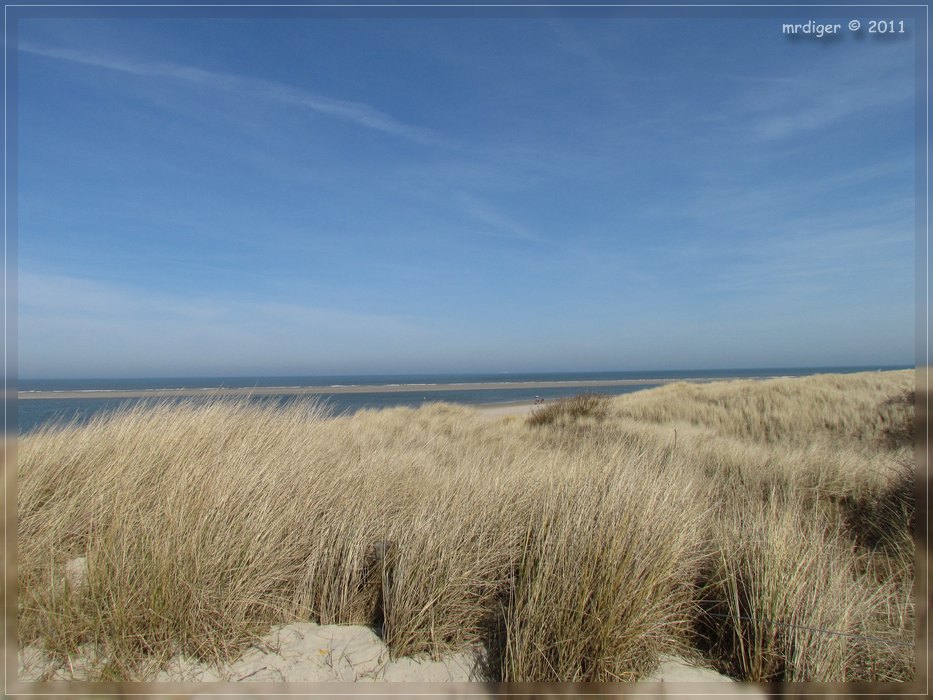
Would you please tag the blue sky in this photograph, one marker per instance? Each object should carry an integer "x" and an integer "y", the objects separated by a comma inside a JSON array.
[{"x": 217, "y": 196}]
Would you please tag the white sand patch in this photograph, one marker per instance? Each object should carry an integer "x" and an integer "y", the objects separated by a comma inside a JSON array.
[
  {"x": 309, "y": 653},
  {"x": 186, "y": 670},
  {"x": 679, "y": 679},
  {"x": 462, "y": 667},
  {"x": 77, "y": 666},
  {"x": 76, "y": 572},
  {"x": 674, "y": 670},
  {"x": 305, "y": 652},
  {"x": 33, "y": 663},
  {"x": 521, "y": 410}
]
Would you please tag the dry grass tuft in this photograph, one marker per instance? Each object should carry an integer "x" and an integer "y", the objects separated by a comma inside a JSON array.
[
  {"x": 569, "y": 410},
  {"x": 784, "y": 600},
  {"x": 602, "y": 588}
]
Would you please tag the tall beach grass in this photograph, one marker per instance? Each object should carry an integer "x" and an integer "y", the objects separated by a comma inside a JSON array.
[{"x": 763, "y": 528}]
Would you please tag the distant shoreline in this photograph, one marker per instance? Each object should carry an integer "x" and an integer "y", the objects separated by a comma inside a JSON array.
[{"x": 355, "y": 389}]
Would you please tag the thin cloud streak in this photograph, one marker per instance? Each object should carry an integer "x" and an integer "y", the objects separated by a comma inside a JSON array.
[
  {"x": 358, "y": 113},
  {"x": 817, "y": 98},
  {"x": 495, "y": 223}
]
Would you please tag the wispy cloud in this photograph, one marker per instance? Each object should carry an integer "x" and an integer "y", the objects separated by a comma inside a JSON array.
[
  {"x": 494, "y": 222},
  {"x": 821, "y": 95},
  {"x": 763, "y": 205},
  {"x": 803, "y": 257},
  {"x": 812, "y": 113},
  {"x": 358, "y": 113},
  {"x": 571, "y": 42},
  {"x": 792, "y": 238}
]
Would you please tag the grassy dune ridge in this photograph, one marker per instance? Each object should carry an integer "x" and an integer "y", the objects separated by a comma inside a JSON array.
[{"x": 734, "y": 522}]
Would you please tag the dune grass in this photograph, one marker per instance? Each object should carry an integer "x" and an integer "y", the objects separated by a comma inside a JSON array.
[
  {"x": 763, "y": 527},
  {"x": 569, "y": 409}
]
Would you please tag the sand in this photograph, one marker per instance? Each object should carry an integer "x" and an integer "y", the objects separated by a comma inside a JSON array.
[
  {"x": 525, "y": 408},
  {"x": 304, "y": 652}
]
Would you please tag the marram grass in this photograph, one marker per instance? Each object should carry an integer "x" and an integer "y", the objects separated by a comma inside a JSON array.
[{"x": 764, "y": 526}]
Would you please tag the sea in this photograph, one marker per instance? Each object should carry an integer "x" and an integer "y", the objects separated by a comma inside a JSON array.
[{"x": 397, "y": 389}]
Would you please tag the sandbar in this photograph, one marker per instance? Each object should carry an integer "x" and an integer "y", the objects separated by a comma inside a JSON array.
[{"x": 340, "y": 389}]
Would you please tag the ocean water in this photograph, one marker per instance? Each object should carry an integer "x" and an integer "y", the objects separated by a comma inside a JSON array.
[{"x": 30, "y": 414}]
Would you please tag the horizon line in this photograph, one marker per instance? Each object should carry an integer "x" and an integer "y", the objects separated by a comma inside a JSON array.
[{"x": 247, "y": 375}]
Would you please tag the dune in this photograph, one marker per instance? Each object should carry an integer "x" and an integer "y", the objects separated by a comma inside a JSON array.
[{"x": 759, "y": 530}]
